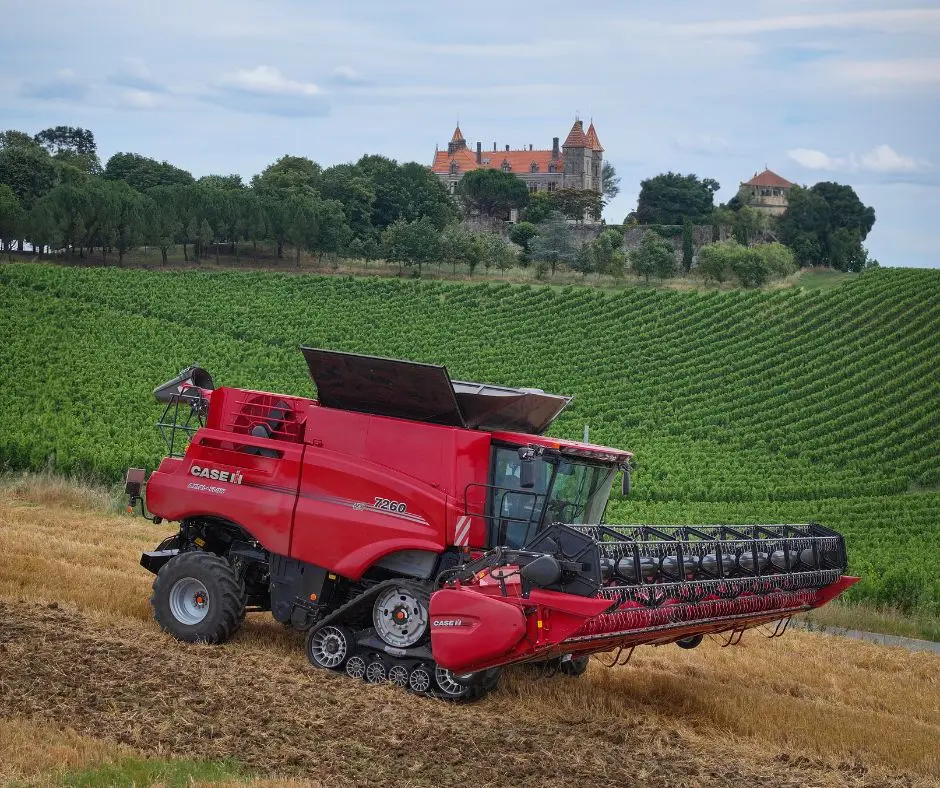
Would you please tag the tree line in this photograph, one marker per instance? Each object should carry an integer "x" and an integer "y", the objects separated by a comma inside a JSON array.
[{"x": 56, "y": 195}]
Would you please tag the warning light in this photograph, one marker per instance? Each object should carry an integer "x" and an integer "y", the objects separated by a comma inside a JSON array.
[{"x": 313, "y": 597}]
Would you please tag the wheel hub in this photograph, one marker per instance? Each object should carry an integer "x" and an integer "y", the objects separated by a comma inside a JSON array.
[
  {"x": 189, "y": 601},
  {"x": 400, "y": 617}
]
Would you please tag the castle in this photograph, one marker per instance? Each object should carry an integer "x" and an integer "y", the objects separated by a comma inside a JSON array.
[
  {"x": 767, "y": 192},
  {"x": 578, "y": 163}
]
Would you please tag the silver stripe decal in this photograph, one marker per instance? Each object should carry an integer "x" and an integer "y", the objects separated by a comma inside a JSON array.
[{"x": 360, "y": 506}]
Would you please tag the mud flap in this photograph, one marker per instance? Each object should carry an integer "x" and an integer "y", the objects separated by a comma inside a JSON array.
[{"x": 155, "y": 559}]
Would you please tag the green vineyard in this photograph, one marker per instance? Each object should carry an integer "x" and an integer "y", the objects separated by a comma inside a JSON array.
[{"x": 792, "y": 405}]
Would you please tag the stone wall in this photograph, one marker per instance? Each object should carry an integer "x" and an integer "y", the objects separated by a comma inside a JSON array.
[{"x": 701, "y": 235}]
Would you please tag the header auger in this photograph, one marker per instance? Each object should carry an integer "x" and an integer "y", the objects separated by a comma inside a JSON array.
[{"x": 424, "y": 531}]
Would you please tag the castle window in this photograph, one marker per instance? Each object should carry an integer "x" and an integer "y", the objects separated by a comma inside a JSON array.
[
  {"x": 506, "y": 167},
  {"x": 552, "y": 185},
  {"x": 552, "y": 167},
  {"x": 533, "y": 167},
  {"x": 533, "y": 188},
  {"x": 453, "y": 168}
]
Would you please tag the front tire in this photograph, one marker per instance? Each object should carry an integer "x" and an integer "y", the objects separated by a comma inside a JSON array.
[{"x": 198, "y": 598}]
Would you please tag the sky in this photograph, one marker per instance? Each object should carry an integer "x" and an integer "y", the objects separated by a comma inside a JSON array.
[{"x": 813, "y": 89}]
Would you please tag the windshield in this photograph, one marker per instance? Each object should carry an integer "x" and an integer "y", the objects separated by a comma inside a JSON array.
[{"x": 565, "y": 491}]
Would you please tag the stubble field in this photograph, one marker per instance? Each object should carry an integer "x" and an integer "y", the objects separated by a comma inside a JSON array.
[{"x": 87, "y": 679}]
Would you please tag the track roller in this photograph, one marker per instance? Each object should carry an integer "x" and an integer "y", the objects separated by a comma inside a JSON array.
[
  {"x": 375, "y": 673},
  {"x": 330, "y": 647}
]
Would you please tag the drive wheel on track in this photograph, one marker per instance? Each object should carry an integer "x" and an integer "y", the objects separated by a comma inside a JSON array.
[
  {"x": 198, "y": 598},
  {"x": 400, "y": 616},
  {"x": 330, "y": 647}
]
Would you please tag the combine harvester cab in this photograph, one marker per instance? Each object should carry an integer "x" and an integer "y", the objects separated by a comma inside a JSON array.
[{"x": 425, "y": 531}]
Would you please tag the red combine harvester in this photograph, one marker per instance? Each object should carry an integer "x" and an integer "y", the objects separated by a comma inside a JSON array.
[{"x": 424, "y": 531}]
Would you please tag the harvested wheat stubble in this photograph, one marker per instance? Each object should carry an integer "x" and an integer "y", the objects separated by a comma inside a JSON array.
[{"x": 129, "y": 684}]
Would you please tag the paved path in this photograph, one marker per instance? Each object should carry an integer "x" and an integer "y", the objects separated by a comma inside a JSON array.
[{"x": 911, "y": 644}]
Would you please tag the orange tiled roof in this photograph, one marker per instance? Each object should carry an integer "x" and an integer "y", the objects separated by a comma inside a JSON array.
[
  {"x": 768, "y": 178},
  {"x": 593, "y": 141},
  {"x": 520, "y": 161},
  {"x": 458, "y": 135},
  {"x": 576, "y": 138}
]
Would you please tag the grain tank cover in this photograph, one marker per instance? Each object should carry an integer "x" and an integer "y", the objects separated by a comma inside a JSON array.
[
  {"x": 425, "y": 392},
  {"x": 513, "y": 410},
  {"x": 383, "y": 386}
]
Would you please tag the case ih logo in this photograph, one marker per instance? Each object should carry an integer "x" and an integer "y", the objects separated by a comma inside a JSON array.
[
  {"x": 447, "y": 622},
  {"x": 233, "y": 477}
]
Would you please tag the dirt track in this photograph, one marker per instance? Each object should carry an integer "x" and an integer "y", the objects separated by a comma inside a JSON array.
[{"x": 139, "y": 688}]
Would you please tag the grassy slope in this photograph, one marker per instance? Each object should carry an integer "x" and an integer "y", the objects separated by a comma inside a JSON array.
[
  {"x": 805, "y": 709},
  {"x": 792, "y": 405}
]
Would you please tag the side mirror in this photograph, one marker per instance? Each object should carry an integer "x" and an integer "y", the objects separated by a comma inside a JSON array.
[
  {"x": 626, "y": 482},
  {"x": 526, "y": 469},
  {"x": 543, "y": 571}
]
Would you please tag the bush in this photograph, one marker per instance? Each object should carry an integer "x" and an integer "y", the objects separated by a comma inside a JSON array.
[{"x": 752, "y": 265}]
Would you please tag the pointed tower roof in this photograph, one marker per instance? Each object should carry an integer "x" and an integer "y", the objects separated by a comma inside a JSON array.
[
  {"x": 593, "y": 142},
  {"x": 458, "y": 135},
  {"x": 576, "y": 138}
]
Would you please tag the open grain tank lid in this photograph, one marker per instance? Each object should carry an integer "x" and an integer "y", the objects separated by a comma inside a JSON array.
[{"x": 425, "y": 392}]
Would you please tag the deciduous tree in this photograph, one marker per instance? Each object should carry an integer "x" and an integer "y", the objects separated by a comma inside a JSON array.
[
  {"x": 654, "y": 257},
  {"x": 669, "y": 198},
  {"x": 142, "y": 173},
  {"x": 412, "y": 243},
  {"x": 826, "y": 225},
  {"x": 555, "y": 242}
]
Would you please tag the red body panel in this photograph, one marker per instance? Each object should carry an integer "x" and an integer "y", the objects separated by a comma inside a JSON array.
[
  {"x": 345, "y": 488},
  {"x": 263, "y": 501}
]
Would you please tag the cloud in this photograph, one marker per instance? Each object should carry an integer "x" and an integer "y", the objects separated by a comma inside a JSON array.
[
  {"x": 136, "y": 75},
  {"x": 536, "y": 49},
  {"x": 64, "y": 86},
  {"x": 883, "y": 160},
  {"x": 874, "y": 76},
  {"x": 268, "y": 80},
  {"x": 916, "y": 20},
  {"x": 886, "y": 160},
  {"x": 706, "y": 144},
  {"x": 346, "y": 75},
  {"x": 265, "y": 90},
  {"x": 138, "y": 99},
  {"x": 815, "y": 159}
]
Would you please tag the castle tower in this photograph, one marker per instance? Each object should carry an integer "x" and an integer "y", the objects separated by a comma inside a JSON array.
[
  {"x": 578, "y": 157},
  {"x": 597, "y": 159},
  {"x": 457, "y": 142}
]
